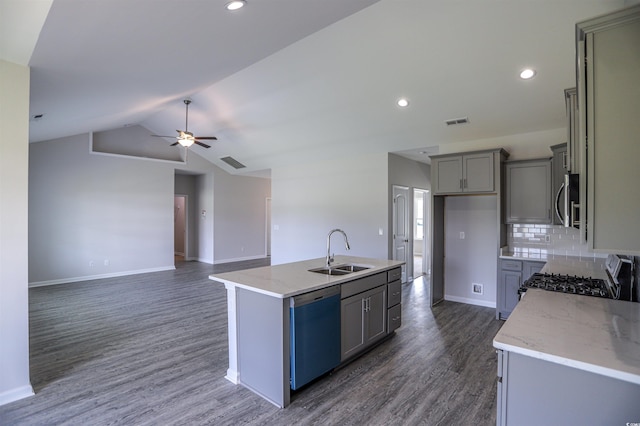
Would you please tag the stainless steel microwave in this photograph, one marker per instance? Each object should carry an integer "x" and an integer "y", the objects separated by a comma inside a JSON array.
[{"x": 568, "y": 201}]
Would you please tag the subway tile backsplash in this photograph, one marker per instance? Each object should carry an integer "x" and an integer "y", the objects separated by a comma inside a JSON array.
[{"x": 547, "y": 239}]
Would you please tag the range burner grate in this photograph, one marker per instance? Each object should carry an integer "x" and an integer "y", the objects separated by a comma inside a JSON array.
[{"x": 568, "y": 284}]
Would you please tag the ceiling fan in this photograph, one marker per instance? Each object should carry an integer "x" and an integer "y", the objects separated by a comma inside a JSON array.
[{"x": 185, "y": 137}]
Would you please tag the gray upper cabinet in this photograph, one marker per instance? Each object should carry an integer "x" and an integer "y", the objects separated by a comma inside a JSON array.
[
  {"x": 609, "y": 106},
  {"x": 467, "y": 173},
  {"x": 528, "y": 198}
]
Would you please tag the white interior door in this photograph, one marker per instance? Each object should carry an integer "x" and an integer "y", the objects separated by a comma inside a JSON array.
[{"x": 401, "y": 236}]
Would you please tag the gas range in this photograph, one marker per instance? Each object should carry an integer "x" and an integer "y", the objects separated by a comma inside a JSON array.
[{"x": 569, "y": 284}]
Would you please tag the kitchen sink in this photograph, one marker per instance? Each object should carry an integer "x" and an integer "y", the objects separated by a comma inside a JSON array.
[
  {"x": 339, "y": 269},
  {"x": 351, "y": 268}
]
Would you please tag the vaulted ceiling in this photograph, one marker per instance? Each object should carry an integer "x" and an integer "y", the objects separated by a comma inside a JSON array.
[{"x": 282, "y": 81}]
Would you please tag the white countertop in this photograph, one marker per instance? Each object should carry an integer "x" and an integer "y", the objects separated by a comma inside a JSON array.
[
  {"x": 291, "y": 279},
  {"x": 589, "y": 333}
]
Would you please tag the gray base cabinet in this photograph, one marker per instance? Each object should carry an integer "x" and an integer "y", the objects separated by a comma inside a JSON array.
[
  {"x": 363, "y": 320},
  {"x": 370, "y": 310},
  {"x": 528, "y": 198},
  {"x": 535, "y": 392},
  {"x": 512, "y": 274}
]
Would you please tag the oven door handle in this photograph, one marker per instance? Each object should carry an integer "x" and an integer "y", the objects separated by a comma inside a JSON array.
[{"x": 560, "y": 218}]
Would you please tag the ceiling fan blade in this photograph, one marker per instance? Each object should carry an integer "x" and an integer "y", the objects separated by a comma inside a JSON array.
[
  {"x": 161, "y": 136},
  {"x": 206, "y": 138},
  {"x": 204, "y": 145},
  {"x": 174, "y": 144}
]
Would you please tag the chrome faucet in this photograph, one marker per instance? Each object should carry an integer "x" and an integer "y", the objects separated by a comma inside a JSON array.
[{"x": 346, "y": 243}]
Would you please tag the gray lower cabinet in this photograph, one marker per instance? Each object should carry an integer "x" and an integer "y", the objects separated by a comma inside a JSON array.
[
  {"x": 528, "y": 198},
  {"x": 363, "y": 320},
  {"x": 512, "y": 274},
  {"x": 370, "y": 309},
  {"x": 532, "y": 392}
]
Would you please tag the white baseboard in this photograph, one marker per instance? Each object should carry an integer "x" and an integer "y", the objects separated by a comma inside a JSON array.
[
  {"x": 201, "y": 260},
  {"x": 100, "y": 276},
  {"x": 16, "y": 394},
  {"x": 485, "y": 303},
  {"x": 240, "y": 259}
]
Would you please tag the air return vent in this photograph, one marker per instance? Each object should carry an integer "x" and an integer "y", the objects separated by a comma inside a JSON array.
[
  {"x": 233, "y": 162},
  {"x": 454, "y": 121}
]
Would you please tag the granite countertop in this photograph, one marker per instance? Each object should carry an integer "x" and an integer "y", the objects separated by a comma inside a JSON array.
[
  {"x": 292, "y": 279},
  {"x": 589, "y": 333}
]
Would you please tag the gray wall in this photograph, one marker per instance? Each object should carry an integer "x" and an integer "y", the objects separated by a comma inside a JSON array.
[
  {"x": 239, "y": 216},
  {"x": 14, "y": 298},
  {"x": 474, "y": 258},
  {"x": 311, "y": 199},
  {"x": 87, "y": 208}
]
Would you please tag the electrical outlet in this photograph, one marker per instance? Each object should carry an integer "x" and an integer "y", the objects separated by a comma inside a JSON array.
[
  {"x": 91, "y": 263},
  {"x": 477, "y": 288},
  {"x": 462, "y": 235},
  {"x": 106, "y": 262}
]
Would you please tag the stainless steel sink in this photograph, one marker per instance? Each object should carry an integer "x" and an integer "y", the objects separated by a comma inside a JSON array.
[
  {"x": 351, "y": 268},
  {"x": 339, "y": 269}
]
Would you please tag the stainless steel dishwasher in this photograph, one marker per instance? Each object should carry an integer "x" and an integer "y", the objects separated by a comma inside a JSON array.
[{"x": 315, "y": 334}]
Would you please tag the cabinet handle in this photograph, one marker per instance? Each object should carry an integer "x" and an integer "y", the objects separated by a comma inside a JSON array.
[
  {"x": 460, "y": 183},
  {"x": 465, "y": 182},
  {"x": 564, "y": 160}
]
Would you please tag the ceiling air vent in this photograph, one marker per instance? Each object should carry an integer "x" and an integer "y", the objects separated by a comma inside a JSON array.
[
  {"x": 233, "y": 162},
  {"x": 454, "y": 121}
]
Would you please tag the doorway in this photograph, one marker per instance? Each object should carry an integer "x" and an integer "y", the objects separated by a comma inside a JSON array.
[
  {"x": 421, "y": 241},
  {"x": 180, "y": 227},
  {"x": 401, "y": 228}
]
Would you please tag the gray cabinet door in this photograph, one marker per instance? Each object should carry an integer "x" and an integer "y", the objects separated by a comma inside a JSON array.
[
  {"x": 447, "y": 174},
  {"x": 508, "y": 287},
  {"x": 478, "y": 173},
  {"x": 376, "y": 315},
  {"x": 612, "y": 129},
  {"x": 351, "y": 326},
  {"x": 528, "y": 197}
]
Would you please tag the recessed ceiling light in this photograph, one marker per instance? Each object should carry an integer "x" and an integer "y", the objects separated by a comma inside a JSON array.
[
  {"x": 527, "y": 73},
  {"x": 235, "y": 4},
  {"x": 403, "y": 102}
]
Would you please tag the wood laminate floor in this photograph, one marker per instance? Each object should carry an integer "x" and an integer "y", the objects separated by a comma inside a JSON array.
[{"x": 151, "y": 349}]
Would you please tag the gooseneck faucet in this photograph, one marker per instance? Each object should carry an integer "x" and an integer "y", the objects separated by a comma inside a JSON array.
[{"x": 346, "y": 243}]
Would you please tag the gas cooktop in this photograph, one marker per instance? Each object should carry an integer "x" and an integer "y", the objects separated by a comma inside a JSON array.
[{"x": 568, "y": 284}]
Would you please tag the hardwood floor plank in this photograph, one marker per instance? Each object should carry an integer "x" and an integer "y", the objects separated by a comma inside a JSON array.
[{"x": 151, "y": 349}]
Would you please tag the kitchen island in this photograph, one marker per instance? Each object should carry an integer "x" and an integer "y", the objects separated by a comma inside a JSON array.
[
  {"x": 259, "y": 302},
  {"x": 569, "y": 359}
]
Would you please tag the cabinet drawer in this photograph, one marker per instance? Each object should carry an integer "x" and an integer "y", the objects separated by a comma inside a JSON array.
[
  {"x": 511, "y": 265},
  {"x": 394, "y": 318},
  {"x": 394, "y": 274},
  {"x": 363, "y": 284},
  {"x": 394, "y": 293}
]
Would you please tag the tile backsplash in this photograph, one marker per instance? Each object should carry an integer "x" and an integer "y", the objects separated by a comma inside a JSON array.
[{"x": 547, "y": 239}]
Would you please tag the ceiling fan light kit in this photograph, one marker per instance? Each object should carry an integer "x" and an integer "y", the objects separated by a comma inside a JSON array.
[{"x": 185, "y": 138}]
